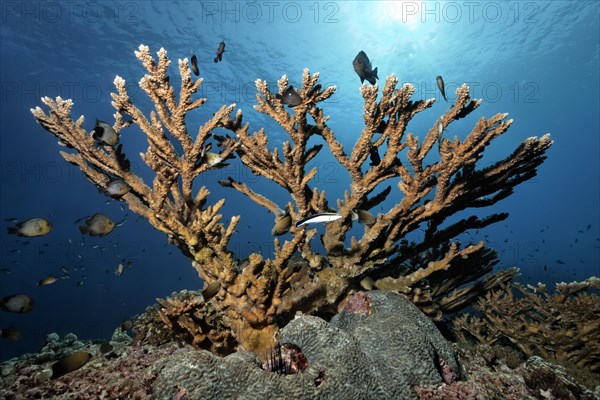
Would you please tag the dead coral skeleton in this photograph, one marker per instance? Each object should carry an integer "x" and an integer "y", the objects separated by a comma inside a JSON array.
[{"x": 250, "y": 295}]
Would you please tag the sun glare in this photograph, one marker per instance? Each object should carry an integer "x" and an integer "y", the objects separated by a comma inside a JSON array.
[{"x": 406, "y": 13}]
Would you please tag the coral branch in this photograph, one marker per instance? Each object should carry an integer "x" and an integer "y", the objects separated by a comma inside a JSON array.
[
  {"x": 247, "y": 297},
  {"x": 563, "y": 326}
]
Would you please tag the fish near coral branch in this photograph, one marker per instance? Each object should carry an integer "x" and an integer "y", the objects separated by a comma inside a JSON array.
[
  {"x": 289, "y": 170},
  {"x": 170, "y": 205}
]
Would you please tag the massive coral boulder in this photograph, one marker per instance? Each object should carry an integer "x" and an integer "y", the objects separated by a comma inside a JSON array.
[{"x": 379, "y": 347}]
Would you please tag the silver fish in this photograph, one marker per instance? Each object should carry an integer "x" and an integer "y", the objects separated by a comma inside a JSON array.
[
  {"x": 32, "y": 227},
  {"x": 116, "y": 188},
  {"x": 440, "y": 84},
  {"x": 119, "y": 270},
  {"x": 316, "y": 218},
  {"x": 213, "y": 159},
  {"x": 362, "y": 66}
]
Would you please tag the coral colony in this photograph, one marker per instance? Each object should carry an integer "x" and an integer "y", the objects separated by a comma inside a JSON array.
[{"x": 245, "y": 302}]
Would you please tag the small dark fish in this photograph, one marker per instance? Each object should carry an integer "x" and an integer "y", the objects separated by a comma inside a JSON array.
[
  {"x": 587, "y": 228},
  {"x": 545, "y": 268},
  {"x": 105, "y": 133},
  {"x": 17, "y": 303},
  {"x": 97, "y": 225},
  {"x": 364, "y": 217},
  {"x": 194, "y": 62},
  {"x": 220, "y": 52},
  {"x": 70, "y": 363},
  {"x": 559, "y": 261},
  {"x": 374, "y": 156},
  {"x": 289, "y": 97},
  {"x": 282, "y": 224},
  {"x": 227, "y": 183},
  {"x": 211, "y": 290},
  {"x": 50, "y": 279},
  {"x": 106, "y": 347},
  {"x": 11, "y": 333},
  {"x": 440, "y": 85},
  {"x": 363, "y": 68},
  {"x": 126, "y": 325}
]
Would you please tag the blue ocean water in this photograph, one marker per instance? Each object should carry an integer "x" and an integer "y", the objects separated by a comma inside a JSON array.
[{"x": 538, "y": 61}]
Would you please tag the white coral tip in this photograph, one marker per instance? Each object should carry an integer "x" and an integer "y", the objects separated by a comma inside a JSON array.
[{"x": 118, "y": 81}]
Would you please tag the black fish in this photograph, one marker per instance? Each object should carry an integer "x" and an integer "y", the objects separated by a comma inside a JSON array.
[
  {"x": 289, "y": 97},
  {"x": 194, "y": 62},
  {"x": 440, "y": 85},
  {"x": 374, "y": 156},
  {"x": 363, "y": 68},
  {"x": 220, "y": 52}
]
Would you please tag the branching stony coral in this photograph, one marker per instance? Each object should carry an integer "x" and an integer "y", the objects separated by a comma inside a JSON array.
[
  {"x": 247, "y": 296},
  {"x": 562, "y": 326}
]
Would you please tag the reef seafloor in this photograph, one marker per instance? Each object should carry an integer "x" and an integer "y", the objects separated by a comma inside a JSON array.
[{"x": 381, "y": 346}]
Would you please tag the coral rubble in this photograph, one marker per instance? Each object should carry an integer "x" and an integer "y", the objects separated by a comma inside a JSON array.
[{"x": 248, "y": 297}]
